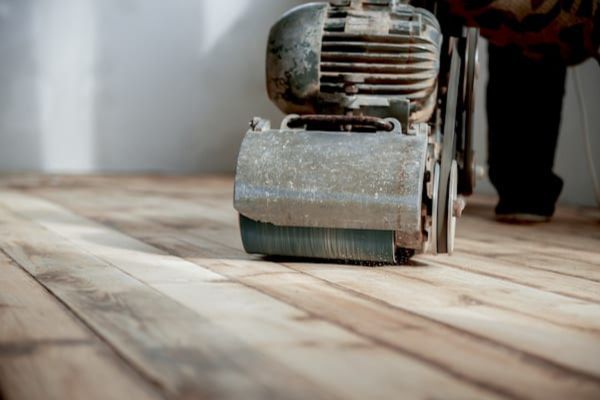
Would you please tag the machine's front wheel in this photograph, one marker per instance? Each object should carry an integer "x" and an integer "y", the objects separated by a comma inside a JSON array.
[
  {"x": 466, "y": 173},
  {"x": 445, "y": 235}
]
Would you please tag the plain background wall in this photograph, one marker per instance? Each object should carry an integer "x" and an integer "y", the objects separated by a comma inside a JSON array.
[
  {"x": 169, "y": 86},
  {"x": 131, "y": 85}
]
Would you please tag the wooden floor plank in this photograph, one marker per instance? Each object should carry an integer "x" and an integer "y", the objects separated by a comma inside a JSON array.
[
  {"x": 516, "y": 271},
  {"x": 170, "y": 344},
  {"x": 484, "y": 242},
  {"x": 519, "y": 373},
  {"x": 564, "y": 315},
  {"x": 568, "y": 302},
  {"x": 519, "y": 305},
  {"x": 435, "y": 297},
  {"x": 570, "y": 222},
  {"x": 276, "y": 282},
  {"x": 45, "y": 353},
  {"x": 528, "y": 237},
  {"x": 363, "y": 369},
  {"x": 579, "y": 263},
  {"x": 576, "y": 263},
  {"x": 223, "y": 196},
  {"x": 535, "y": 303},
  {"x": 547, "y": 262}
]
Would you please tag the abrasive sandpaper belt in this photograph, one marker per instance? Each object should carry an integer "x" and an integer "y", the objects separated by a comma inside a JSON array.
[{"x": 333, "y": 244}]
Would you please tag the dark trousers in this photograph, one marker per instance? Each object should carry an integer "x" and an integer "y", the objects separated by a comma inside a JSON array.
[{"x": 524, "y": 105}]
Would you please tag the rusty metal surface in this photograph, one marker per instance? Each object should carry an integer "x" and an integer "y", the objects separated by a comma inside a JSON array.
[
  {"x": 293, "y": 54},
  {"x": 363, "y": 57},
  {"x": 333, "y": 180},
  {"x": 342, "y": 122}
]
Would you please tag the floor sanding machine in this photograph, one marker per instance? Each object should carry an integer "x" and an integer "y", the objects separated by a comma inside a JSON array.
[{"x": 375, "y": 154}]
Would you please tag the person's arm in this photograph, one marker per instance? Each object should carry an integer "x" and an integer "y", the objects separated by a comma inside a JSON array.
[{"x": 569, "y": 30}]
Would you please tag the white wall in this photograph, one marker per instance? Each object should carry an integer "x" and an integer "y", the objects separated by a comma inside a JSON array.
[
  {"x": 167, "y": 86},
  {"x": 131, "y": 85}
]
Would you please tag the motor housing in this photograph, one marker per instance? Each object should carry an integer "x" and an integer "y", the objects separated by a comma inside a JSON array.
[{"x": 377, "y": 58}]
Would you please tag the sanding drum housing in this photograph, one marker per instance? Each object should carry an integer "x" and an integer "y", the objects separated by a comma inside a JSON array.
[{"x": 375, "y": 150}]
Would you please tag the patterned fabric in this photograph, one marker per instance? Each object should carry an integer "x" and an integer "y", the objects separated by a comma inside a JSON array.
[{"x": 560, "y": 29}]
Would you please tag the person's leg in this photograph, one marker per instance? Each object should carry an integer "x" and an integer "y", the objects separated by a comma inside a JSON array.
[{"x": 524, "y": 105}]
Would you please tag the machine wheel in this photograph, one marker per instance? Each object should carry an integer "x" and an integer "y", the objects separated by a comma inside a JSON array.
[
  {"x": 435, "y": 201},
  {"x": 466, "y": 177},
  {"x": 444, "y": 209},
  {"x": 451, "y": 203}
]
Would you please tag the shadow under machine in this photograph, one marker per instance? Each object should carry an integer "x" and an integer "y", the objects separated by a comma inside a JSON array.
[{"x": 375, "y": 151}]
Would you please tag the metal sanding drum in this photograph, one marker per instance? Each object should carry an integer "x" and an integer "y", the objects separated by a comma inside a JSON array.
[{"x": 351, "y": 193}]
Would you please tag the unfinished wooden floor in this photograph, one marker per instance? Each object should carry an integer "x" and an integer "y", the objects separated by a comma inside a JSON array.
[{"x": 137, "y": 288}]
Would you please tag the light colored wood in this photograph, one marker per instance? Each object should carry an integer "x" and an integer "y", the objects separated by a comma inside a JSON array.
[
  {"x": 541, "y": 306},
  {"x": 518, "y": 271},
  {"x": 576, "y": 357},
  {"x": 447, "y": 301},
  {"x": 186, "y": 354},
  {"x": 566, "y": 220},
  {"x": 45, "y": 353},
  {"x": 507, "y": 370},
  {"x": 189, "y": 216},
  {"x": 504, "y": 293},
  {"x": 577, "y": 263},
  {"x": 513, "y": 314},
  {"x": 532, "y": 238},
  {"x": 340, "y": 363},
  {"x": 555, "y": 263}
]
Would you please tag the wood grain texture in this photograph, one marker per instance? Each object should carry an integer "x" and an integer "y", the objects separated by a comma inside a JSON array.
[
  {"x": 187, "y": 355},
  {"x": 355, "y": 366},
  {"x": 46, "y": 353},
  {"x": 514, "y": 314}
]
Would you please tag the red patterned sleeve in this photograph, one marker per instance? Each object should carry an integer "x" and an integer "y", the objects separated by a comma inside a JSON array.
[{"x": 565, "y": 29}]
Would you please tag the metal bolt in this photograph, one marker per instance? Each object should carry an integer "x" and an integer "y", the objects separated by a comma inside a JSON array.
[
  {"x": 254, "y": 123},
  {"x": 351, "y": 89},
  {"x": 459, "y": 206}
]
